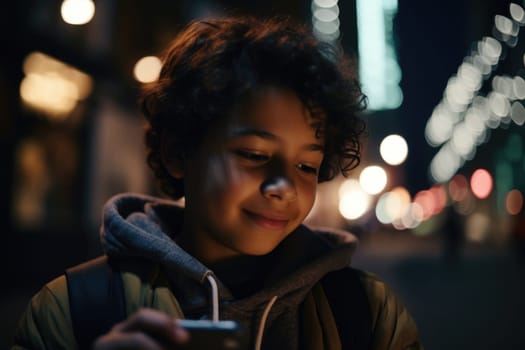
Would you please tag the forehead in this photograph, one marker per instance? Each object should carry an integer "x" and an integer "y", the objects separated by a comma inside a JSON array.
[{"x": 273, "y": 108}]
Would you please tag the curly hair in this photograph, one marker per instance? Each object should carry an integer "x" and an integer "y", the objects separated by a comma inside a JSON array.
[{"x": 213, "y": 64}]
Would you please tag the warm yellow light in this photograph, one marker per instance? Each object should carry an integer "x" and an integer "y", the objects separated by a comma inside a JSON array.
[
  {"x": 147, "y": 69},
  {"x": 353, "y": 201},
  {"x": 373, "y": 179},
  {"x": 392, "y": 205},
  {"x": 77, "y": 12},
  {"x": 51, "y": 86},
  {"x": 50, "y": 93},
  {"x": 393, "y": 149}
]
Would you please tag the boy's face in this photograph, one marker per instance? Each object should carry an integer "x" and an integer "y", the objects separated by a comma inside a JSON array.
[{"x": 254, "y": 179}]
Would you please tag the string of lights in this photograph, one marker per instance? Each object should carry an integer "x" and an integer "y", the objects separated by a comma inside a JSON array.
[{"x": 462, "y": 119}]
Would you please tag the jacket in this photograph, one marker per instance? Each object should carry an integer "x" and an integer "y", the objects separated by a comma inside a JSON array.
[{"x": 146, "y": 227}]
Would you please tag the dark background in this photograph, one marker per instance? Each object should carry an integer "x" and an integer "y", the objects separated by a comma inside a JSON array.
[{"x": 469, "y": 296}]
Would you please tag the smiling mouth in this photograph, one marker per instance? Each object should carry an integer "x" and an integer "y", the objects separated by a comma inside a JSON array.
[{"x": 267, "y": 222}]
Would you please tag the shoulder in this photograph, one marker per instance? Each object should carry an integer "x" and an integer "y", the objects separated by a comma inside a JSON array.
[
  {"x": 376, "y": 289},
  {"x": 143, "y": 284},
  {"x": 46, "y": 322},
  {"x": 153, "y": 292},
  {"x": 393, "y": 326},
  {"x": 381, "y": 297},
  {"x": 146, "y": 285}
]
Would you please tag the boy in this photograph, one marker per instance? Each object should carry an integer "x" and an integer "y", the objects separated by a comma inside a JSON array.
[{"x": 246, "y": 118}]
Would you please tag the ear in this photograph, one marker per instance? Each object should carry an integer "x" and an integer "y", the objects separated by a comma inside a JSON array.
[{"x": 172, "y": 159}]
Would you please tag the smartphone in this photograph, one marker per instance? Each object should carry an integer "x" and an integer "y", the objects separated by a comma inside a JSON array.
[{"x": 207, "y": 334}]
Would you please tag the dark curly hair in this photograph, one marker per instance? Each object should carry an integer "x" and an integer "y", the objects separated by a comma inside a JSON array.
[{"x": 213, "y": 64}]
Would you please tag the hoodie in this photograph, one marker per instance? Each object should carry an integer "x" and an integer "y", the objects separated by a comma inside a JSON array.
[
  {"x": 276, "y": 298},
  {"x": 147, "y": 227}
]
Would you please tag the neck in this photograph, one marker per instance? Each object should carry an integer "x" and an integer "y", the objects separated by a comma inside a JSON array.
[
  {"x": 243, "y": 275},
  {"x": 203, "y": 247}
]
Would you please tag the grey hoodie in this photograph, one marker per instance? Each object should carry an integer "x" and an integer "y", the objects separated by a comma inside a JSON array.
[{"x": 146, "y": 227}]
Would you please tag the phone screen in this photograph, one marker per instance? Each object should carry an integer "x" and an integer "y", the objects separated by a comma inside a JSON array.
[{"x": 206, "y": 334}]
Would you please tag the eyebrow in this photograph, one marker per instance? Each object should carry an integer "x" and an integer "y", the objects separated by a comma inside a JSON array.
[{"x": 247, "y": 131}]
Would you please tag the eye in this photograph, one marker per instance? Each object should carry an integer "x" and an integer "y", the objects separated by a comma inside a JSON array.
[
  {"x": 252, "y": 156},
  {"x": 307, "y": 169}
]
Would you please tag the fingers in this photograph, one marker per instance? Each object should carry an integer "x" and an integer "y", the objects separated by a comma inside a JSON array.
[
  {"x": 156, "y": 323},
  {"x": 146, "y": 329},
  {"x": 130, "y": 340}
]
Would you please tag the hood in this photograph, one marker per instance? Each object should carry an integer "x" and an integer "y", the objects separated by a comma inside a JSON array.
[
  {"x": 143, "y": 226},
  {"x": 132, "y": 228}
]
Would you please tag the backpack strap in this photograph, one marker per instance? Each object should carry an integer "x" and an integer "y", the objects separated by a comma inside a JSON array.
[
  {"x": 96, "y": 299},
  {"x": 350, "y": 307}
]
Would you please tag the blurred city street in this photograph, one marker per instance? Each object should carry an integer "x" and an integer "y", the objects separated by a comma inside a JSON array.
[{"x": 473, "y": 302}]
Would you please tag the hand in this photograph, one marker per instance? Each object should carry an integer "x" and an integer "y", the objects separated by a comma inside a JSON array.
[{"x": 147, "y": 329}]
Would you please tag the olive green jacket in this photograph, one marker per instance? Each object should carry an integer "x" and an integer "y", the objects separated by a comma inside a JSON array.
[
  {"x": 46, "y": 323},
  {"x": 146, "y": 227}
]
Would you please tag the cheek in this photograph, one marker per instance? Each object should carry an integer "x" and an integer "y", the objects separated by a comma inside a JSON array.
[
  {"x": 309, "y": 191},
  {"x": 214, "y": 175},
  {"x": 224, "y": 178}
]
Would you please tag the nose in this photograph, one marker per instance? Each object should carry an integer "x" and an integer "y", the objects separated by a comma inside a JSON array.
[{"x": 279, "y": 188}]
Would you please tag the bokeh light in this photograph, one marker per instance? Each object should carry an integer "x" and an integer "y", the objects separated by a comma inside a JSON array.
[
  {"x": 458, "y": 187},
  {"x": 353, "y": 201},
  {"x": 445, "y": 164},
  {"x": 413, "y": 216},
  {"x": 147, "y": 69},
  {"x": 517, "y": 113},
  {"x": 381, "y": 75},
  {"x": 51, "y": 86},
  {"x": 325, "y": 19},
  {"x": 393, "y": 149},
  {"x": 505, "y": 25},
  {"x": 392, "y": 205},
  {"x": 440, "y": 198},
  {"x": 477, "y": 227},
  {"x": 514, "y": 202},
  {"x": 77, "y": 12},
  {"x": 425, "y": 200},
  {"x": 431, "y": 202},
  {"x": 517, "y": 13},
  {"x": 467, "y": 205},
  {"x": 462, "y": 120},
  {"x": 499, "y": 104},
  {"x": 373, "y": 179},
  {"x": 481, "y": 183}
]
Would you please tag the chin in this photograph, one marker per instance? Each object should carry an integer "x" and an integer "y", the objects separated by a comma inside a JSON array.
[{"x": 258, "y": 250}]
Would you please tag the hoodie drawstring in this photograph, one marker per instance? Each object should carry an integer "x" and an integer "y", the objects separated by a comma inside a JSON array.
[
  {"x": 215, "y": 310},
  {"x": 214, "y": 298},
  {"x": 262, "y": 323}
]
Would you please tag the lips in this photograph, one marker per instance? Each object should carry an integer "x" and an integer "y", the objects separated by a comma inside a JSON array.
[{"x": 268, "y": 221}]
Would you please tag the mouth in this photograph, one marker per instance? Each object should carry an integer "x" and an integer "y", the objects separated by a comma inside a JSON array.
[{"x": 272, "y": 222}]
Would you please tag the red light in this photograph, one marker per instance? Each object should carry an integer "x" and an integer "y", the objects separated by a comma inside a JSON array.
[
  {"x": 481, "y": 183},
  {"x": 440, "y": 198},
  {"x": 458, "y": 187},
  {"x": 514, "y": 202},
  {"x": 426, "y": 200}
]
